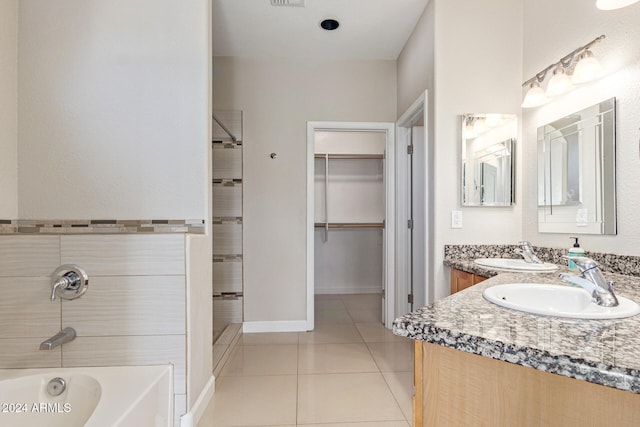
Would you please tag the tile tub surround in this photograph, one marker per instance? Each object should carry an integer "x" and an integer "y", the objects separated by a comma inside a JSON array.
[
  {"x": 101, "y": 226},
  {"x": 462, "y": 256},
  {"x": 605, "y": 352}
]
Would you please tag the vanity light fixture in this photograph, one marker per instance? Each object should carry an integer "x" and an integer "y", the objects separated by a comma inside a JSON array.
[
  {"x": 614, "y": 4},
  {"x": 587, "y": 69},
  {"x": 578, "y": 67},
  {"x": 535, "y": 96},
  {"x": 560, "y": 82}
]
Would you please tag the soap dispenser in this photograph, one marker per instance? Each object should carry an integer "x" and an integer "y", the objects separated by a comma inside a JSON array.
[{"x": 574, "y": 251}]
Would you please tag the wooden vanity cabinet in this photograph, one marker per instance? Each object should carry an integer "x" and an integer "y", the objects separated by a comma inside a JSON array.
[
  {"x": 458, "y": 389},
  {"x": 462, "y": 280}
]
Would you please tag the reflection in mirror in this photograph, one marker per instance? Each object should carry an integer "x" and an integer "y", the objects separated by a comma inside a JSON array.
[
  {"x": 576, "y": 172},
  {"x": 488, "y": 141}
]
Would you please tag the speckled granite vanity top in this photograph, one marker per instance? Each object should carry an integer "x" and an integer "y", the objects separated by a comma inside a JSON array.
[{"x": 604, "y": 352}]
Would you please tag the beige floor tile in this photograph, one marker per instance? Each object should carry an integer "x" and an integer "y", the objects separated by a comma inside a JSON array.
[
  {"x": 332, "y": 398},
  {"x": 366, "y": 316},
  {"x": 252, "y": 401},
  {"x": 335, "y": 358},
  {"x": 262, "y": 360},
  {"x": 401, "y": 385},
  {"x": 376, "y": 332},
  {"x": 338, "y": 333},
  {"x": 332, "y": 315},
  {"x": 329, "y": 302},
  {"x": 363, "y": 301},
  {"x": 269, "y": 338},
  {"x": 392, "y": 356}
]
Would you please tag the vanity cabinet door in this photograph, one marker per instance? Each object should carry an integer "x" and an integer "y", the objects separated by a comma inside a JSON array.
[{"x": 462, "y": 280}]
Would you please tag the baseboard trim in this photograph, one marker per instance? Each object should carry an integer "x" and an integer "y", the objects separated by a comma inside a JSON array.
[
  {"x": 347, "y": 290},
  {"x": 275, "y": 326},
  {"x": 192, "y": 418}
]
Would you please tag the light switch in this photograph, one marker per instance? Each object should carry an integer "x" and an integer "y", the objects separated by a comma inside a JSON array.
[
  {"x": 582, "y": 217},
  {"x": 456, "y": 219}
]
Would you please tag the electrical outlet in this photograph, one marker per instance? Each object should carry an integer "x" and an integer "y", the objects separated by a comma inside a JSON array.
[{"x": 456, "y": 219}]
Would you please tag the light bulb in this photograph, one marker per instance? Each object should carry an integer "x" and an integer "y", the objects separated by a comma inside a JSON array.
[
  {"x": 614, "y": 4},
  {"x": 587, "y": 69},
  {"x": 493, "y": 120},
  {"x": 559, "y": 82},
  {"x": 479, "y": 126},
  {"x": 468, "y": 132},
  {"x": 535, "y": 96}
]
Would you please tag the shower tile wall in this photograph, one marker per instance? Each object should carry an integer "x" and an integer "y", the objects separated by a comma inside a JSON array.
[
  {"x": 227, "y": 222},
  {"x": 132, "y": 314}
]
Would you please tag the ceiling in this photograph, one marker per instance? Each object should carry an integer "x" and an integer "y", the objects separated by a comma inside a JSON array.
[{"x": 369, "y": 29}]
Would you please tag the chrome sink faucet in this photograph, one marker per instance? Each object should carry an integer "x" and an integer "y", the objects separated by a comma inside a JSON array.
[
  {"x": 526, "y": 251},
  {"x": 592, "y": 280},
  {"x": 62, "y": 337}
]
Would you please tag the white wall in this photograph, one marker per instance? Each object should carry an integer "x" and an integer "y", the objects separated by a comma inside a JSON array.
[
  {"x": 551, "y": 30},
  {"x": 278, "y": 97},
  {"x": 8, "y": 109},
  {"x": 415, "y": 64},
  {"x": 477, "y": 69},
  {"x": 415, "y": 75},
  {"x": 113, "y": 109}
]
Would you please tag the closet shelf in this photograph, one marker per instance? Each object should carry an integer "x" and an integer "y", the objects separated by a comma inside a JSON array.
[
  {"x": 350, "y": 156},
  {"x": 350, "y": 225}
]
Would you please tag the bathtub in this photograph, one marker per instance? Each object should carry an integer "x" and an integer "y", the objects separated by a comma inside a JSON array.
[{"x": 137, "y": 396}]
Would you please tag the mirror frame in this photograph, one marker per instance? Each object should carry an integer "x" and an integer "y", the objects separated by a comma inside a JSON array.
[
  {"x": 498, "y": 133},
  {"x": 602, "y": 218}
]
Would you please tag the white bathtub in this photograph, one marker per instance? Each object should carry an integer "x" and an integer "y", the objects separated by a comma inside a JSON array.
[{"x": 137, "y": 396}]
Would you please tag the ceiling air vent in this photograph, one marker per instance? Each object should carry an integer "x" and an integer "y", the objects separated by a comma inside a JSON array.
[{"x": 299, "y": 3}]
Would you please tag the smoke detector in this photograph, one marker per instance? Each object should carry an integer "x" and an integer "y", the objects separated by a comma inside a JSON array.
[{"x": 298, "y": 3}]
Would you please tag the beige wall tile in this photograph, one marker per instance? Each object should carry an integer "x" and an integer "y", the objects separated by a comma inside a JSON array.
[
  {"x": 129, "y": 305},
  {"x": 179, "y": 408},
  {"x": 130, "y": 351},
  {"x": 228, "y": 239},
  {"x": 227, "y": 162},
  {"x": 26, "y": 309},
  {"x": 29, "y": 255},
  {"x": 227, "y": 311},
  {"x": 227, "y": 200},
  {"x": 227, "y": 277},
  {"x": 125, "y": 254},
  {"x": 25, "y": 353},
  {"x": 200, "y": 363}
]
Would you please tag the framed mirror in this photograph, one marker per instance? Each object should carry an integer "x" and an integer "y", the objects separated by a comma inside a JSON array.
[
  {"x": 576, "y": 172},
  {"x": 488, "y": 144}
]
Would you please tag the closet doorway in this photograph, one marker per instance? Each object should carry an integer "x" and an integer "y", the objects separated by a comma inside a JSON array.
[{"x": 351, "y": 212}]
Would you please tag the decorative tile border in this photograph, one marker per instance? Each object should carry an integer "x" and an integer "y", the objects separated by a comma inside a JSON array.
[
  {"x": 620, "y": 264},
  {"x": 101, "y": 226}
]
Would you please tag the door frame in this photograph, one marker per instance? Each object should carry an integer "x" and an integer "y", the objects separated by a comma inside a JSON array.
[
  {"x": 418, "y": 110},
  {"x": 390, "y": 225}
]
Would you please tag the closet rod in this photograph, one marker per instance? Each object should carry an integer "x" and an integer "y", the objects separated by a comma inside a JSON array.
[
  {"x": 350, "y": 225},
  {"x": 349, "y": 156}
]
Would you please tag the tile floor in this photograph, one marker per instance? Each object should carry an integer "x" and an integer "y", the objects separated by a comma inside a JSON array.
[{"x": 350, "y": 371}]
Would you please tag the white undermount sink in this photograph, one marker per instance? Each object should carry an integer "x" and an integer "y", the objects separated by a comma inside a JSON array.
[
  {"x": 557, "y": 300},
  {"x": 515, "y": 264}
]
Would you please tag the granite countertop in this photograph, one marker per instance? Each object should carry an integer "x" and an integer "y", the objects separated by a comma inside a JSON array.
[{"x": 605, "y": 352}]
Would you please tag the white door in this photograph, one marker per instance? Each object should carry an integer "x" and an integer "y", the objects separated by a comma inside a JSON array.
[{"x": 413, "y": 202}]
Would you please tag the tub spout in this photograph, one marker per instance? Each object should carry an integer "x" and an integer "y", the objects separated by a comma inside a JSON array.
[{"x": 62, "y": 337}]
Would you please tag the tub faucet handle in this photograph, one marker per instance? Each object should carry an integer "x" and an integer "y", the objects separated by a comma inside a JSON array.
[{"x": 69, "y": 281}]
